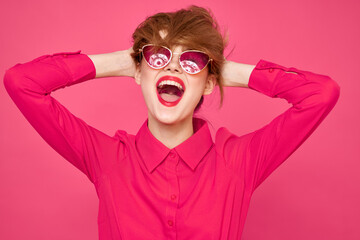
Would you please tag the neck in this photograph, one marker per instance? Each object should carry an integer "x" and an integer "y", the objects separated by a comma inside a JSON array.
[{"x": 171, "y": 135}]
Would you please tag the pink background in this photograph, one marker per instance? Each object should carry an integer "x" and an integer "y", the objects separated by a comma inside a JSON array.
[{"x": 315, "y": 194}]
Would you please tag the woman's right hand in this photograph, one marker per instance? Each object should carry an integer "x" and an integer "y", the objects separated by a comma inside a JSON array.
[{"x": 114, "y": 64}]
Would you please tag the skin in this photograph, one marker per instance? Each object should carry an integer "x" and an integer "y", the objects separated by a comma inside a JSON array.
[{"x": 170, "y": 125}]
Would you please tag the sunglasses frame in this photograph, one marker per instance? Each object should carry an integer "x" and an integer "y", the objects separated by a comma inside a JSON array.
[{"x": 171, "y": 55}]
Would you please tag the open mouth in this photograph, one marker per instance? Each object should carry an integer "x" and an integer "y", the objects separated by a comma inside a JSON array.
[{"x": 170, "y": 90}]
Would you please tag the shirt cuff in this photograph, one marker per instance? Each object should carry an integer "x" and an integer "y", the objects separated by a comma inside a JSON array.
[
  {"x": 263, "y": 77},
  {"x": 79, "y": 66}
]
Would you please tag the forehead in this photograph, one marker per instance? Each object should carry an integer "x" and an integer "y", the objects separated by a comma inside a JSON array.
[{"x": 178, "y": 48}]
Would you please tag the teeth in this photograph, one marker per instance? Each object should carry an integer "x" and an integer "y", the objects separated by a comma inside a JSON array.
[{"x": 169, "y": 82}]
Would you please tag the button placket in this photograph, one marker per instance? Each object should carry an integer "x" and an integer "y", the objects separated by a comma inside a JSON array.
[
  {"x": 171, "y": 223},
  {"x": 172, "y": 161}
]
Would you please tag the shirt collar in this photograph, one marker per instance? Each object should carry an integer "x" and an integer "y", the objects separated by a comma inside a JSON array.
[{"x": 192, "y": 150}]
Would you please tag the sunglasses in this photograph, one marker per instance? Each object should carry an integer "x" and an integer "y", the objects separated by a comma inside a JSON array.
[{"x": 192, "y": 61}]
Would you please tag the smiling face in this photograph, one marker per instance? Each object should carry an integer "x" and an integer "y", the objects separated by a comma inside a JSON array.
[
  {"x": 191, "y": 27},
  {"x": 170, "y": 93}
]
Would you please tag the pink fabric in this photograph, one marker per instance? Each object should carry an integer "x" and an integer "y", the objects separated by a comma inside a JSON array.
[{"x": 200, "y": 189}]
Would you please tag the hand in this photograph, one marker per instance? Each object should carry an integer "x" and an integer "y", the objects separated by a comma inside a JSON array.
[{"x": 127, "y": 66}]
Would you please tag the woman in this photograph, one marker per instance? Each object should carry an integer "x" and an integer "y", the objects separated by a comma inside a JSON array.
[{"x": 170, "y": 180}]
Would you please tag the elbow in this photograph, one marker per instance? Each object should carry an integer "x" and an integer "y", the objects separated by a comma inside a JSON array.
[
  {"x": 330, "y": 92},
  {"x": 11, "y": 78}
]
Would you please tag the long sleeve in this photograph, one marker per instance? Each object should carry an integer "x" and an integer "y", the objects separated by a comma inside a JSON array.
[
  {"x": 30, "y": 86},
  {"x": 256, "y": 155}
]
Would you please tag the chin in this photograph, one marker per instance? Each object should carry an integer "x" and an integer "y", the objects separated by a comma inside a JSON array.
[{"x": 170, "y": 118}]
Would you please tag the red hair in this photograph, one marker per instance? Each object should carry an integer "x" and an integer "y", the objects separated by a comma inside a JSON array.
[{"x": 194, "y": 28}]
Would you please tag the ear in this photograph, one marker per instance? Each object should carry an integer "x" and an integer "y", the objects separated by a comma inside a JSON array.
[
  {"x": 210, "y": 84},
  {"x": 137, "y": 75}
]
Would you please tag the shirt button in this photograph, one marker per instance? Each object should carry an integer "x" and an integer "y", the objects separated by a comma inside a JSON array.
[
  {"x": 173, "y": 197},
  {"x": 172, "y": 155},
  {"x": 271, "y": 70},
  {"x": 170, "y": 222}
]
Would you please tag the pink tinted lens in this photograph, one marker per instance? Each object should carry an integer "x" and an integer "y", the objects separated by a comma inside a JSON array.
[
  {"x": 193, "y": 62},
  {"x": 156, "y": 57}
]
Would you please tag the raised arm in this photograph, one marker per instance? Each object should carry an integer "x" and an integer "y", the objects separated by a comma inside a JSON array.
[
  {"x": 256, "y": 155},
  {"x": 30, "y": 86},
  {"x": 114, "y": 64},
  {"x": 236, "y": 74}
]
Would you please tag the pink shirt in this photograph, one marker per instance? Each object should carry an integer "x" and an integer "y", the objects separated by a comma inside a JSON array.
[{"x": 201, "y": 189}]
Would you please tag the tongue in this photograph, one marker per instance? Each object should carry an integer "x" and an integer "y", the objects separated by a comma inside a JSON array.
[
  {"x": 169, "y": 97},
  {"x": 169, "y": 93}
]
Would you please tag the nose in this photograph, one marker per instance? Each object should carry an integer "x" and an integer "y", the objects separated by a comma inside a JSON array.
[{"x": 174, "y": 65}]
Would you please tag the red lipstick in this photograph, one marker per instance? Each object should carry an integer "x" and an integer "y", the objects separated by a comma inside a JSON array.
[{"x": 170, "y": 78}]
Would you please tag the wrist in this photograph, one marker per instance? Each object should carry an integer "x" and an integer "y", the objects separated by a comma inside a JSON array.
[
  {"x": 113, "y": 64},
  {"x": 236, "y": 74},
  {"x": 124, "y": 63}
]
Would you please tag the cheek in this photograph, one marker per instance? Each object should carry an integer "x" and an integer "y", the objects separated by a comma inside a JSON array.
[
  {"x": 146, "y": 88},
  {"x": 198, "y": 83},
  {"x": 147, "y": 73},
  {"x": 147, "y": 82}
]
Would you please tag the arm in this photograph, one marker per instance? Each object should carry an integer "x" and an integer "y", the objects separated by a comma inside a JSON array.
[
  {"x": 256, "y": 155},
  {"x": 236, "y": 74},
  {"x": 30, "y": 86},
  {"x": 114, "y": 64}
]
